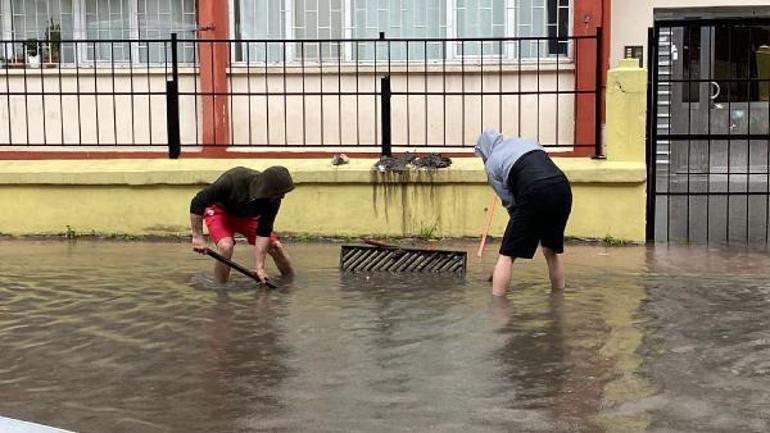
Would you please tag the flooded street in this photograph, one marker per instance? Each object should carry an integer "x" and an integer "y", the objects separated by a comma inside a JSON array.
[{"x": 110, "y": 337}]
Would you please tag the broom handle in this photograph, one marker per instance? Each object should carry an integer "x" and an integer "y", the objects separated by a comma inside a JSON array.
[
  {"x": 490, "y": 214},
  {"x": 378, "y": 243},
  {"x": 238, "y": 267}
]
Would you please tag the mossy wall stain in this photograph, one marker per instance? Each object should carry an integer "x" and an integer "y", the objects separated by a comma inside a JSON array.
[{"x": 411, "y": 193}]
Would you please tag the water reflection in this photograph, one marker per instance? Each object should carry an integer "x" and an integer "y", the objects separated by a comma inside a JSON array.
[
  {"x": 244, "y": 364},
  {"x": 640, "y": 341}
]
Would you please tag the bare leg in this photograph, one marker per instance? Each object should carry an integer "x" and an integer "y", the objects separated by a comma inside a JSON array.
[
  {"x": 555, "y": 269},
  {"x": 222, "y": 271},
  {"x": 501, "y": 276},
  {"x": 281, "y": 258}
]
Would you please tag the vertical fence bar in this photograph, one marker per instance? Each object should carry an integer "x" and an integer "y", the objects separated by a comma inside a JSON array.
[
  {"x": 652, "y": 143},
  {"x": 749, "y": 83},
  {"x": 131, "y": 83},
  {"x": 500, "y": 89},
  {"x": 385, "y": 119},
  {"x": 443, "y": 87},
  {"x": 729, "y": 126},
  {"x": 709, "y": 68},
  {"x": 669, "y": 78},
  {"x": 304, "y": 96},
  {"x": 267, "y": 98},
  {"x": 248, "y": 85},
  {"x": 8, "y": 98},
  {"x": 230, "y": 97},
  {"x": 689, "y": 123},
  {"x": 408, "y": 115},
  {"x": 172, "y": 104},
  {"x": 26, "y": 99},
  {"x": 358, "y": 77},
  {"x": 96, "y": 96},
  {"x": 77, "y": 93},
  {"x": 537, "y": 84},
  {"x": 114, "y": 99},
  {"x": 42, "y": 91},
  {"x": 598, "y": 100},
  {"x": 321, "y": 86},
  {"x": 61, "y": 97},
  {"x": 425, "y": 79},
  {"x": 196, "y": 76},
  {"x": 285, "y": 97},
  {"x": 339, "y": 91},
  {"x": 148, "y": 44}
]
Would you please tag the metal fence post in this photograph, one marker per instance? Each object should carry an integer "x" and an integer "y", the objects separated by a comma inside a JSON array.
[
  {"x": 385, "y": 119},
  {"x": 172, "y": 104},
  {"x": 653, "y": 39},
  {"x": 598, "y": 153}
]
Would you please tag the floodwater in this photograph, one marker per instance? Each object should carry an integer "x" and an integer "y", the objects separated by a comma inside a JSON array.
[{"x": 109, "y": 337}]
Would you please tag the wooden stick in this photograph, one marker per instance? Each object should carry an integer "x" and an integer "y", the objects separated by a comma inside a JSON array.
[
  {"x": 490, "y": 213},
  {"x": 379, "y": 244},
  {"x": 238, "y": 268}
]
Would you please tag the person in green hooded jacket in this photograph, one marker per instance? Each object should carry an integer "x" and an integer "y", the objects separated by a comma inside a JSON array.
[{"x": 242, "y": 201}]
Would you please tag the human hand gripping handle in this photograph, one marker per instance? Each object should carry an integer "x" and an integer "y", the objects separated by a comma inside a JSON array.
[
  {"x": 198, "y": 241},
  {"x": 261, "y": 275},
  {"x": 199, "y": 244}
]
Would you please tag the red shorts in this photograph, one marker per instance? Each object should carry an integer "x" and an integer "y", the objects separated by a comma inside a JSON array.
[{"x": 221, "y": 225}]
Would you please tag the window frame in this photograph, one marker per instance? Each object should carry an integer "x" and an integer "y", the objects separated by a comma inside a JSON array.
[
  {"x": 80, "y": 35},
  {"x": 452, "y": 56}
]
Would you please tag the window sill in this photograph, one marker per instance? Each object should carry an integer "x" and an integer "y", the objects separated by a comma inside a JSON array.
[{"x": 413, "y": 68}]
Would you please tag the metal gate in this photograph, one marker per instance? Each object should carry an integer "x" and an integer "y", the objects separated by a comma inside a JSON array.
[{"x": 708, "y": 139}]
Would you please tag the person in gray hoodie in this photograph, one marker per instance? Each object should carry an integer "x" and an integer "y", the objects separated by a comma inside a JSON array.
[
  {"x": 242, "y": 201},
  {"x": 538, "y": 198}
]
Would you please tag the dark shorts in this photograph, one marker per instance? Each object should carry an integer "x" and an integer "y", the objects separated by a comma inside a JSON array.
[{"x": 540, "y": 216}]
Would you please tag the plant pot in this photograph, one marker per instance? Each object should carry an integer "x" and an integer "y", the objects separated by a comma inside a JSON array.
[{"x": 33, "y": 61}]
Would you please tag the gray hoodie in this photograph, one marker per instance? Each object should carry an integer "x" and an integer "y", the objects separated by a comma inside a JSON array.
[{"x": 499, "y": 156}]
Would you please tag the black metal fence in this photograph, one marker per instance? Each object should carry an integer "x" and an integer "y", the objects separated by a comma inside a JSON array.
[{"x": 380, "y": 94}]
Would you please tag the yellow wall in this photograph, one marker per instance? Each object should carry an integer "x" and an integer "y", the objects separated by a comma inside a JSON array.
[{"x": 152, "y": 197}]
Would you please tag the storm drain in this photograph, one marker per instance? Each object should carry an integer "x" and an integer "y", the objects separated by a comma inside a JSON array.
[{"x": 365, "y": 258}]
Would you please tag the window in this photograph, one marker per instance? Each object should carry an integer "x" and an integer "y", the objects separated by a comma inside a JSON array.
[
  {"x": 319, "y": 19},
  {"x": 95, "y": 20},
  {"x": 259, "y": 19},
  {"x": 740, "y": 61},
  {"x": 107, "y": 19},
  {"x": 727, "y": 63},
  {"x": 157, "y": 19},
  {"x": 418, "y": 19},
  {"x": 27, "y": 21}
]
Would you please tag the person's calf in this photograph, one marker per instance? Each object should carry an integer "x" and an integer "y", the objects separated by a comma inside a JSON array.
[
  {"x": 226, "y": 247},
  {"x": 501, "y": 276},
  {"x": 281, "y": 258},
  {"x": 555, "y": 269}
]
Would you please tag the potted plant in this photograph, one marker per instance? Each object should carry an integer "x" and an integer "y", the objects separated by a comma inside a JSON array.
[
  {"x": 53, "y": 36},
  {"x": 32, "y": 48}
]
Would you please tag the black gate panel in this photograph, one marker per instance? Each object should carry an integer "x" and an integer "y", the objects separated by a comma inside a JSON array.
[{"x": 709, "y": 134}]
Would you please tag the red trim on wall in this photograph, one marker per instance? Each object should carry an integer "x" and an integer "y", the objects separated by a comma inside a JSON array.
[
  {"x": 213, "y": 19},
  {"x": 588, "y": 15}
]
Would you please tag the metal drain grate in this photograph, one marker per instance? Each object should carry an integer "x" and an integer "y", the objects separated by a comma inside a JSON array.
[{"x": 359, "y": 258}]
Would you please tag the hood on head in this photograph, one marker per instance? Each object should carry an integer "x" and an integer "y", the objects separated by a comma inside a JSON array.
[
  {"x": 486, "y": 142},
  {"x": 273, "y": 181}
]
